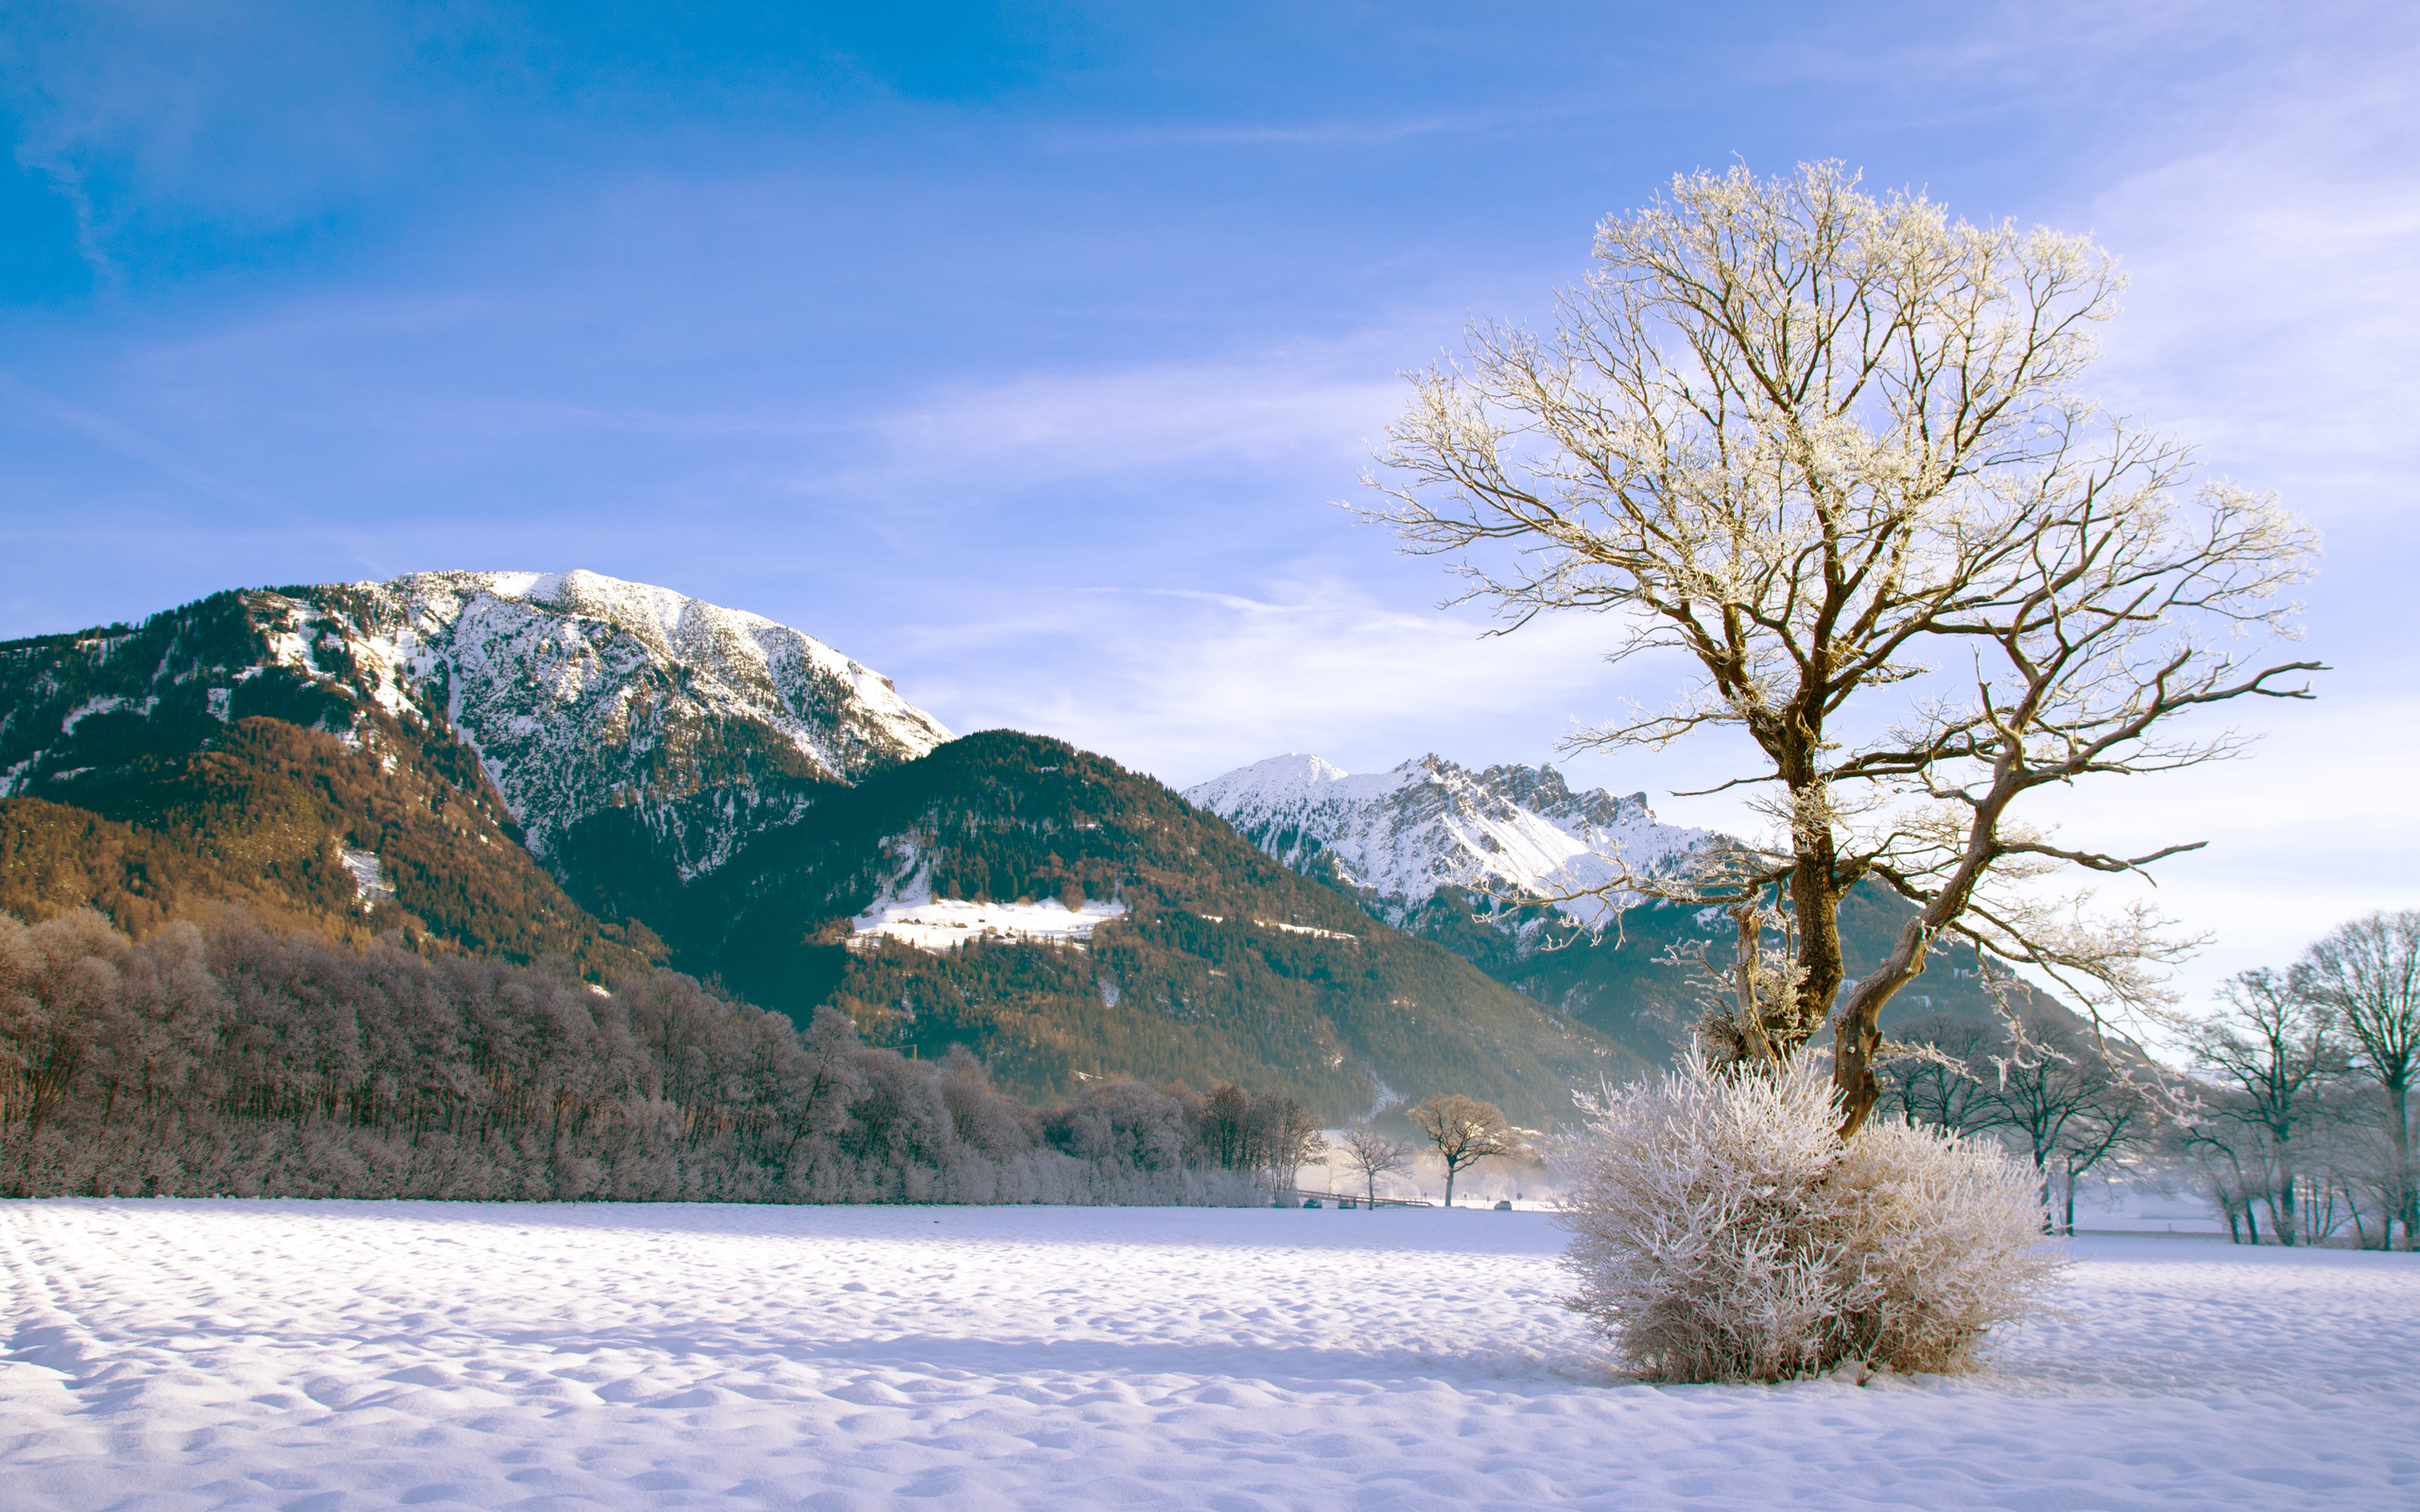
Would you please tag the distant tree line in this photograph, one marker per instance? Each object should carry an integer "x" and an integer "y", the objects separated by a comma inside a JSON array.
[
  {"x": 2304, "y": 1118},
  {"x": 2039, "y": 1085},
  {"x": 234, "y": 1060},
  {"x": 2294, "y": 1117}
]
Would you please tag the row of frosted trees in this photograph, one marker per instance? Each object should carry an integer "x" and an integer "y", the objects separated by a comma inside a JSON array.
[
  {"x": 2303, "y": 1117},
  {"x": 234, "y": 1062},
  {"x": 2294, "y": 1117}
]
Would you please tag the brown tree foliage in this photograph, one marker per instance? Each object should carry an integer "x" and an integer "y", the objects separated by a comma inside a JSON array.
[{"x": 231, "y": 1059}]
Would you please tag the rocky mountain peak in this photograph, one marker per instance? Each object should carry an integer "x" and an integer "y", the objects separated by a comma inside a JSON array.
[
  {"x": 580, "y": 693},
  {"x": 1397, "y": 836}
]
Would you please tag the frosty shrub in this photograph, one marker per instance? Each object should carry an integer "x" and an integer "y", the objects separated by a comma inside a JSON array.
[{"x": 1722, "y": 1231}]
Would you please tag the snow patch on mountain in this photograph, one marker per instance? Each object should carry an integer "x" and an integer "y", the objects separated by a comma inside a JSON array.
[
  {"x": 1399, "y": 835},
  {"x": 909, "y": 912},
  {"x": 369, "y": 882}
]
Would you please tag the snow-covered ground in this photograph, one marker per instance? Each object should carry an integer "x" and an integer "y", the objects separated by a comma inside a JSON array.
[
  {"x": 942, "y": 924},
  {"x": 321, "y": 1357}
]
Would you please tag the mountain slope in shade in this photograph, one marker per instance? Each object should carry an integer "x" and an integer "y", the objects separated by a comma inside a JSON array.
[{"x": 1109, "y": 928}]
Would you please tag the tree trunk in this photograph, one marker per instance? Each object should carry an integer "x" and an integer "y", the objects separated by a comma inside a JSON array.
[
  {"x": 2397, "y": 1098},
  {"x": 1815, "y": 899}
]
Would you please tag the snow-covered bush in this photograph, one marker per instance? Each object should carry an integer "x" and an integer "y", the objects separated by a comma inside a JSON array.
[{"x": 1722, "y": 1232}]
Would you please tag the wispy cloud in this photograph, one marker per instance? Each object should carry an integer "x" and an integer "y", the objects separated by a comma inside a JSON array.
[
  {"x": 127, "y": 443},
  {"x": 1188, "y": 684},
  {"x": 2276, "y": 287},
  {"x": 1317, "y": 401}
]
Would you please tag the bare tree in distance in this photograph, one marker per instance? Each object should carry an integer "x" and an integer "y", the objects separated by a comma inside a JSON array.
[
  {"x": 1288, "y": 1137},
  {"x": 1374, "y": 1155},
  {"x": 2064, "y": 1106},
  {"x": 1465, "y": 1130},
  {"x": 1830, "y": 448},
  {"x": 2367, "y": 973},
  {"x": 1947, "y": 1090},
  {"x": 2278, "y": 1049}
]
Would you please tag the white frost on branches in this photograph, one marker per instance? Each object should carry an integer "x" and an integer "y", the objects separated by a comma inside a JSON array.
[{"x": 1722, "y": 1230}]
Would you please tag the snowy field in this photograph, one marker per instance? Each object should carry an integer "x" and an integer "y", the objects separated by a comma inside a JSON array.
[{"x": 321, "y": 1357}]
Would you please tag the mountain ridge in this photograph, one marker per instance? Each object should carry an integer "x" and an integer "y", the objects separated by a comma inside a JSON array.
[
  {"x": 1477, "y": 862},
  {"x": 1398, "y": 835},
  {"x": 611, "y": 776}
]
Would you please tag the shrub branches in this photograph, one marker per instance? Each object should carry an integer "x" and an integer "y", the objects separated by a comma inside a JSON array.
[{"x": 1722, "y": 1230}]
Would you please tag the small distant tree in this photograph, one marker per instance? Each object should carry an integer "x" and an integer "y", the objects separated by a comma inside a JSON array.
[
  {"x": 2367, "y": 973},
  {"x": 1374, "y": 1155},
  {"x": 1285, "y": 1138},
  {"x": 1465, "y": 1130},
  {"x": 2230, "y": 1173},
  {"x": 2067, "y": 1106},
  {"x": 1226, "y": 1132},
  {"x": 2117, "y": 1122}
]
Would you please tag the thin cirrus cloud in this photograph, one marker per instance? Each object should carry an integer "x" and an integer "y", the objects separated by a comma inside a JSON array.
[
  {"x": 2276, "y": 287},
  {"x": 1186, "y": 684},
  {"x": 1289, "y": 403}
]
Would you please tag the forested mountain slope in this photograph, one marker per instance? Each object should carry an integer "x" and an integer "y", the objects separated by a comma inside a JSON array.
[
  {"x": 393, "y": 826},
  {"x": 234, "y": 1061},
  {"x": 533, "y": 766},
  {"x": 1182, "y": 951}
]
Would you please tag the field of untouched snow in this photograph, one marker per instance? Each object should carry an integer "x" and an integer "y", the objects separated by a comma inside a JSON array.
[{"x": 321, "y": 1357}]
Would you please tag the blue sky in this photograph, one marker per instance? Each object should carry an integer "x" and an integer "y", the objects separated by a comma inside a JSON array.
[{"x": 1022, "y": 351}]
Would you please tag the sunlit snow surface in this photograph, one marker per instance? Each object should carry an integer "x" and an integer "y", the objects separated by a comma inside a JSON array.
[
  {"x": 949, "y": 922},
  {"x": 350, "y": 1355}
]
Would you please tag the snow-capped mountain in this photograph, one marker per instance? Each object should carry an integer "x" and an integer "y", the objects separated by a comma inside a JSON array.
[
  {"x": 1399, "y": 835},
  {"x": 579, "y": 693},
  {"x": 584, "y": 692}
]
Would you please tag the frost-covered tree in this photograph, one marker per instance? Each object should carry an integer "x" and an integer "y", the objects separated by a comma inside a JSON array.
[
  {"x": 1464, "y": 1131},
  {"x": 2274, "y": 1051},
  {"x": 2367, "y": 973},
  {"x": 1373, "y": 1155},
  {"x": 1830, "y": 450},
  {"x": 1722, "y": 1229}
]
